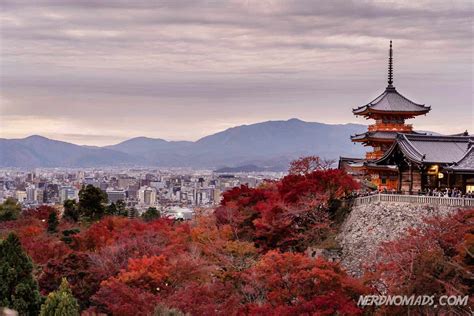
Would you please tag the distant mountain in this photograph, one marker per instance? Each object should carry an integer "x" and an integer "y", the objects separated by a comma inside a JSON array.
[
  {"x": 268, "y": 145},
  {"x": 246, "y": 168},
  {"x": 38, "y": 151}
]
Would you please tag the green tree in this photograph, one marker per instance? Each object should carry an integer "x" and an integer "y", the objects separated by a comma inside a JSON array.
[
  {"x": 151, "y": 214},
  {"x": 92, "y": 202},
  {"x": 121, "y": 208},
  {"x": 117, "y": 208},
  {"x": 53, "y": 222},
  {"x": 18, "y": 288},
  {"x": 9, "y": 210},
  {"x": 71, "y": 211},
  {"x": 111, "y": 209},
  {"x": 60, "y": 302}
]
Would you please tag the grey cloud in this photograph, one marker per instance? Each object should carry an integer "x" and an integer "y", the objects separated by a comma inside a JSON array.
[{"x": 215, "y": 58}]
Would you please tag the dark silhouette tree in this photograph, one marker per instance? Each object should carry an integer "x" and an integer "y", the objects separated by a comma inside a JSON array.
[
  {"x": 53, "y": 222},
  {"x": 111, "y": 209},
  {"x": 92, "y": 202},
  {"x": 18, "y": 288},
  {"x": 121, "y": 208},
  {"x": 71, "y": 211},
  {"x": 151, "y": 214}
]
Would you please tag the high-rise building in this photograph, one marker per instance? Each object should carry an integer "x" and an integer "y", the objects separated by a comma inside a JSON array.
[
  {"x": 31, "y": 194},
  {"x": 116, "y": 195},
  {"x": 67, "y": 193},
  {"x": 147, "y": 195},
  {"x": 20, "y": 196}
]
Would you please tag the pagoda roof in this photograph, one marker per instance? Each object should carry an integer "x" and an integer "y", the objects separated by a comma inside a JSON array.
[
  {"x": 430, "y": 148},
  {"x": 391, "y": 101},
  {"x": 374, "y": 166},
  {"x": 378, "y": 135}
]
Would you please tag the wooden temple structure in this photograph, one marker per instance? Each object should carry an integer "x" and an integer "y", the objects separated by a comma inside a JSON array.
[{"x": 402, "y": 159}]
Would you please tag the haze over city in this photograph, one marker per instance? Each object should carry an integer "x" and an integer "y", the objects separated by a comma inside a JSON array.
[{"x": 97, "y": 73}]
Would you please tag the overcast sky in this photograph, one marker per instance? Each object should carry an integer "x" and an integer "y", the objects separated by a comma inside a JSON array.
[{"x": 98, "y": 72}]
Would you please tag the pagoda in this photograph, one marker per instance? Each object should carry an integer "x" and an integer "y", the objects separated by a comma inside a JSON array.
[{"x": 389, "y": 110}]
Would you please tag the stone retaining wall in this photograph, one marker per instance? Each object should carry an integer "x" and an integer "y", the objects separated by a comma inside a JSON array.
[{"x": 367, "y": 226}]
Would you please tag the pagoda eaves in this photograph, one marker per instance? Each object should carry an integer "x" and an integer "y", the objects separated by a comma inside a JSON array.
[{"x": 389, "y": 103}]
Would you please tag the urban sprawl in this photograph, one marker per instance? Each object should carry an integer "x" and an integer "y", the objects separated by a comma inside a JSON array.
[{"x": 176, "y": 193}]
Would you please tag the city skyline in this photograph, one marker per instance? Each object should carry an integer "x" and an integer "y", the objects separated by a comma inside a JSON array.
[{"x": 183, "y": 70}]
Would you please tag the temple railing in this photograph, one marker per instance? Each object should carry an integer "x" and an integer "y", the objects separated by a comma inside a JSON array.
[
  {"x": 374, "y": 155},
  {"x": 414, "y": 199},
  {"x": 390, "y": 127}
]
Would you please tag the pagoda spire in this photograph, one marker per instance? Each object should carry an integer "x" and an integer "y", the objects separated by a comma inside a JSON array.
[{"x": 390, "y": 67}]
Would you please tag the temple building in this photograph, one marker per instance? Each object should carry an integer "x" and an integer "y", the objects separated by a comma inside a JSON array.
[{"x": 403, "y": 160}]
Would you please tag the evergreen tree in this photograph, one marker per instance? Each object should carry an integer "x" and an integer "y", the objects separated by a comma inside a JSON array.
[
  {"x": 18, "y": 288},
  {"x": 60, "y": 302},
  {"x": 151, "y": 214},
  {"x": 111, "y": 209},
  {"x": 9, "y": 210},
  {"x": 53, "y": 222},
  {"x": 71, "y": 211},
  {"x": 92, "y": 202},
  {"x": 121, "y": 208}
]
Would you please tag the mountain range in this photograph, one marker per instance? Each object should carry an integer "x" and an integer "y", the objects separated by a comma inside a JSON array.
[{"x": 269, "y": 145}]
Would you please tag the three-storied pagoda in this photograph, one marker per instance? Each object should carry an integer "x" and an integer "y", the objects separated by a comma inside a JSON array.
[
  {"x": 389, "y": 110},
  {"x": 403, "y": 160}
]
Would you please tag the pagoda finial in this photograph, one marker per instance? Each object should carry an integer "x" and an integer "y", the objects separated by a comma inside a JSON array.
[{"x": 390, "y": 67}]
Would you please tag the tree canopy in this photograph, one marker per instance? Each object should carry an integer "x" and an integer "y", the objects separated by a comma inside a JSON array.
[{"x": 18, "y": 288}]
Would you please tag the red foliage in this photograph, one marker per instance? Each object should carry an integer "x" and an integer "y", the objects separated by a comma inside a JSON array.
[
  {"x": 210, "y": 266},
  {"x": 119, "y": 298},
  {"x": 42, "y": 248},
  {"x": 289, "y": 214},
  {"x": 307, "y": 165},
  {"x": 114, "y": 229},
  {"x": 293, "y": 284},
  {"x": 36, "y": 241},
  {"x": 435, "y": 259},
  {"x": 79, "y": 270},
  {"x": 210, "y": 299},
  {"x": 41, "y": 212},
  {"x": 321, "y": 184}
]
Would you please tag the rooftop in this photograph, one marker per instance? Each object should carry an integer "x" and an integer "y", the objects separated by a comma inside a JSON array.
[
  {"x": 466, "y": 163},
  {"x": 430, "y": 148},
  {"x": 391, "y": 101}
]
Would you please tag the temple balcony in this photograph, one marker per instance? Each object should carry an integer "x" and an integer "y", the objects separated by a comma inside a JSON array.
[
  {"x": 374, "y": 155},
  {"x": 391, "y": 127}
]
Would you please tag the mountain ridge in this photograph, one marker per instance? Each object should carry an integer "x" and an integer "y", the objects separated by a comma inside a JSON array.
[{"x": 265, "y": 144}]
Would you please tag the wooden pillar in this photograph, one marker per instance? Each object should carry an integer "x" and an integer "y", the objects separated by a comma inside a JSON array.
[
  {"x": 411, "y": 177},
  {"x": 399, "y": 178}
]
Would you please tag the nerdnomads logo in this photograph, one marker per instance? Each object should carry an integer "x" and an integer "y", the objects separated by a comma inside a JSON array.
[{"x": 419, "y": 300}]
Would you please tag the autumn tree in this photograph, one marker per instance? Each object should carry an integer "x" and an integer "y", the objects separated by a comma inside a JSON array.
[
  {"x": 18, "y": 288},
  {"x": 294, "y": 284},
  {"x": 9, "y": 210},
  {"x": 60, "y": 302},
  {"x": 433, "y": 259},
  {"x": 78, "y": 269},
  {"x": 309, "y": 164},
  {"x": 41, "y": 212},
  {"x": 290, "y": 214},
  {"x": 92, "y": 202}
]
